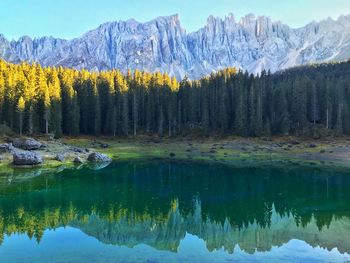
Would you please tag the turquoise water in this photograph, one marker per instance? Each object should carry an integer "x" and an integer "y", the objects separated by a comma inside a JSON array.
[{"x": 157, "y": 211}]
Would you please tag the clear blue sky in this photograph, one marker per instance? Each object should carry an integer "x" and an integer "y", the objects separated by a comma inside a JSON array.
[{"x": 71, "y": 18}]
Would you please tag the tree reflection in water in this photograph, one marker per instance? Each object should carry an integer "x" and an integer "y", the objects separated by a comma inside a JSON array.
[{"x": 157, "y": 203}]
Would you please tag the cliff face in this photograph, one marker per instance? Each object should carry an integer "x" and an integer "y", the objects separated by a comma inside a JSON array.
[{"x": 252, "y": 43}]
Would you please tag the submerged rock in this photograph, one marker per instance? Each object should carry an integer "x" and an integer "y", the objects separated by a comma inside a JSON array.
[
  {"x": 98, "y": 166},
  {"x": 6, "y": 148},
  {"x": 97, "y": 157},
  {"x": 27, "y": 144},
  {"x": 26, "y": 158}
]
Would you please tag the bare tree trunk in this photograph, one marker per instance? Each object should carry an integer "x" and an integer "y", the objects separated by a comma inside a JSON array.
[
  {"x": 46, "y": 127},
  {"x": 161, "y": 120},
  {"x": 30, "y": 129},
  {"x": 135, "y": 115},
  {"x": 114, "y": 120},
  {"x": 179, "y": 117},
  {"x": 20, "y": 123},
  {"x": 169, "y": 131}
]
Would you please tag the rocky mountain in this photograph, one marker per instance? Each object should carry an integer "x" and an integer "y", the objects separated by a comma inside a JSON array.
[{"x": 252, "y": 43}]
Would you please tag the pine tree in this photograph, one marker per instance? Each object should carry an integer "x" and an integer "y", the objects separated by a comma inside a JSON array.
[
  {"x": 20, "y": 107},
  {"x": 125, "y": 115},
  {"x": 205, "y": 106},
  {"x": 110, "y": 120},
  {"x": 56, "y": 101},
  {"x": 47, "y": 105},
  {"x": 241, "y": 120}
]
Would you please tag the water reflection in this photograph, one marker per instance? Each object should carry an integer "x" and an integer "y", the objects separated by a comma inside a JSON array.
[{"x": 159, "y": 204}]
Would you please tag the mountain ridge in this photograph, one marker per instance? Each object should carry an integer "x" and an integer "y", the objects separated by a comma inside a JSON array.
[{"x": 253, "y": 43}]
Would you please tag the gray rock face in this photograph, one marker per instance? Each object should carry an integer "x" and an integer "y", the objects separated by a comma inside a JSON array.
[
  {"x": 98, "y": 158},
  {"x": 6, "y": 148},
  {"x": 27, "y": 144},
  {"x": 252, "y": 43},
  {"x": 26, "y": 158}
]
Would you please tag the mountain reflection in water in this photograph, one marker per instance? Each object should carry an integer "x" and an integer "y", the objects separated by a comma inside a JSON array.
[{"x": 162, "y": 204}]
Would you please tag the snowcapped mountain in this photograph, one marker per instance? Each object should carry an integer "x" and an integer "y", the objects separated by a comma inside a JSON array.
[{"x": 252, "y": 43}]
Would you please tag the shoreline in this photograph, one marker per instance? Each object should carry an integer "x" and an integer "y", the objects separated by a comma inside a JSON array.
[{"x": 234, "y": 151}]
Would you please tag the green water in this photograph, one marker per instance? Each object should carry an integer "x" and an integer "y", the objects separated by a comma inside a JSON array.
[{"x": 176, "y": 212}]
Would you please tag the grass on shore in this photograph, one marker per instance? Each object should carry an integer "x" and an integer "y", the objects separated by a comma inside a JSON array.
[
  {"x": 222, "y": 150},
  {"x": 230, "y": 151}
]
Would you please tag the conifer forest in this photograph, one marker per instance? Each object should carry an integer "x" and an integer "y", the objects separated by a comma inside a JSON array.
[{"x": 302, "y": 101}]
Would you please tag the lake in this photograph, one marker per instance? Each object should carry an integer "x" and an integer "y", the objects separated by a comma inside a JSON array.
[{"x": 162, "y": 211}]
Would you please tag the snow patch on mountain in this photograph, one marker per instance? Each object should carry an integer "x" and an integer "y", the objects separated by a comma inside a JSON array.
[{"x": 253, "y": 44}]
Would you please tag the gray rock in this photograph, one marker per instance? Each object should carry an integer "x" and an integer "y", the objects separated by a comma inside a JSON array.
[
  {"x": 60, "y": 157},
  {"x": 98, "y": 158},
  {"x": 77, "y": 149},
  {"x": 44, "y": 145},
  {"x": 6, "y": 148},
  {"x": 27, "y": 144},
  {"x": 78, "y": 160},
  {"x": 26, "y": 158}
]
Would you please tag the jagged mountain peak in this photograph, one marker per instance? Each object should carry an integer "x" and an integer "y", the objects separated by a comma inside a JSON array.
[
  {"x": 252, "y": 43},
  {"x": 230, "y": 17},
  {"x": 174, "y": 19},
  {"x": 248, "y": 19},
  {"x": 344, "y": 18}
]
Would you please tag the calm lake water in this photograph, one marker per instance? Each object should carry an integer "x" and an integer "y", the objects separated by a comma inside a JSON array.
[{"x": 176, "y": 212}]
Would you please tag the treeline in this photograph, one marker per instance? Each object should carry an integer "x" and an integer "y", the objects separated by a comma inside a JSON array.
[{"x": 300, "y": 101}]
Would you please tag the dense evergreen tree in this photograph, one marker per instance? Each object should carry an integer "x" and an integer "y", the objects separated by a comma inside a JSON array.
[{"x": 299, "y": 101}]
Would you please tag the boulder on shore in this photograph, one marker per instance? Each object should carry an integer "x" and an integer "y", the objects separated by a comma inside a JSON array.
[
  {"x": 77, "y": 149},
  {"x": 28, "y": 144},
  {"x": 78, "y": 160},
  {"x": 97, "y": 157},
  {"x": 6, "y": 148},
  {"x": 60, "y": 157},
  {"x": 26, "y": 158}
]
